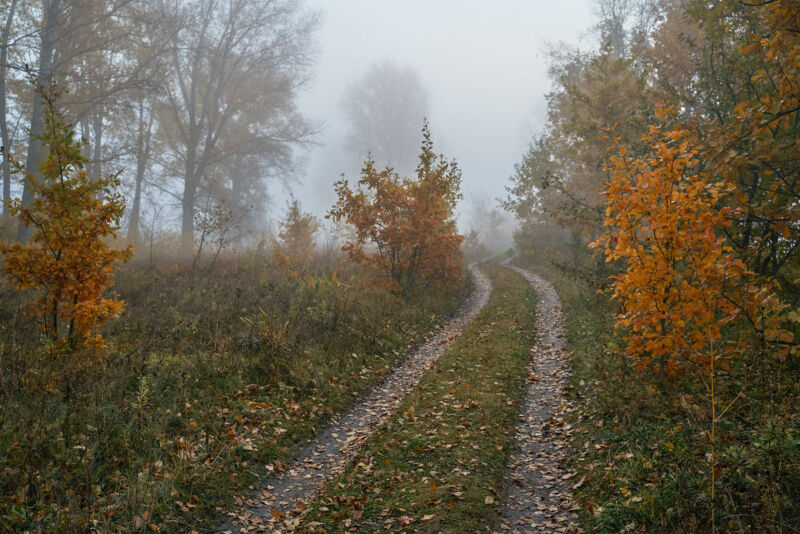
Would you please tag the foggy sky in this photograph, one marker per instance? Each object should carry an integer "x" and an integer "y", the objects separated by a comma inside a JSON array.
[{"x": 483, "y": 64}]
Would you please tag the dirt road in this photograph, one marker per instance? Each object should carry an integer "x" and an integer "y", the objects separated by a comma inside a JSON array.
[
  {"x": 538, "y": 481},
  {"x": 285, "y": 495}
]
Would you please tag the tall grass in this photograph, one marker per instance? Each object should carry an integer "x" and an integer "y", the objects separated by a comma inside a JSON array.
[{"x": 210, "y": 375}]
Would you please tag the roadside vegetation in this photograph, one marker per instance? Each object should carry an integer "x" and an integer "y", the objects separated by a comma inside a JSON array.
[
  {"x": 159, "y": 402},
  {"x": 666, "y": 179},
  {"x": 204, "y": 386},
  {"x": 640, "y": 448},
  {"x": 437, "y": 464}
]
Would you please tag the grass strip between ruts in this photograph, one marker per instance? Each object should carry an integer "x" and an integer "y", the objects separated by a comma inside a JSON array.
[
  {"x": 640, "y": 447},
  {"x": 437, "y": 464}
]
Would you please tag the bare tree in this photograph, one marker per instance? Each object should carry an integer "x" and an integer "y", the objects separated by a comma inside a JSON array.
[
  {"x": 385, "y": 109},
  {"x": 235, "y": 67}
]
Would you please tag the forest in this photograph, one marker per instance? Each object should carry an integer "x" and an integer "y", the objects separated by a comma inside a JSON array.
[{"x": 439, "y": 333}]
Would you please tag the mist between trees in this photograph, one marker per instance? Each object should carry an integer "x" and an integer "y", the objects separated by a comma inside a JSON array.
[{"x": 194, "y": 101}]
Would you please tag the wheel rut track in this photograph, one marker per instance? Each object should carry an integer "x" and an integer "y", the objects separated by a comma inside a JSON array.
[
  {"x": 537, "y": 479},
  {"x": 281, "y": 499}
]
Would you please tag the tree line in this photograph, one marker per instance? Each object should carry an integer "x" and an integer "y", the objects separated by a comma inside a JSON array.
[
  {"x": 194, "y": 99},
  {"x": 678, "y": 94},
  {"x": 668, "y": 177}
]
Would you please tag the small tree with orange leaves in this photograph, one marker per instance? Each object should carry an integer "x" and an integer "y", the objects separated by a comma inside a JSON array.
[
  {"x": 409, "y": 223},
  {"x": 682, "y": 283},
  {"x": 68, "y": 259},
  {"x": 663, "y": 219}
]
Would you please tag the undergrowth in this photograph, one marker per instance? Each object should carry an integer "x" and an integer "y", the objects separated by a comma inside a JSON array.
[
  {"x": 641, "y": 447},
  {"x": 210, "y": 376}
]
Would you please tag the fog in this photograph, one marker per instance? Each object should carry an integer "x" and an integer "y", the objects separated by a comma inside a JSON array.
[
  {"x": 484, "y": 67},
  {"x": 342, "y": 265},
  {"x": 225, "y": 111}
]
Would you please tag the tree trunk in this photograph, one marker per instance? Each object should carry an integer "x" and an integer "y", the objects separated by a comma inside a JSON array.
[
  {"x": 187, "y": 216},
  {"x": 142, "y": 158},
  {"x": 86, "y": 151},
  {"x": 190, "y": 171},
  {"x": 237, "y": 200},
  {"x": 133, "y": 224},
  {"x": 4, "y": 107},
  {"x": 97, "y": 152},
  {"x": 34, "y": 158}
]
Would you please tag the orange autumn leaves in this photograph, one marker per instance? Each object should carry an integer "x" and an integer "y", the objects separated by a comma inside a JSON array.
[
  {"x": 682, "y": 282},
  {"x": 68, "y": 258},
  {"x": 662, "y": 219},
  {"x": 707, "y": 217},
  {"x": 404, "y": 227}
]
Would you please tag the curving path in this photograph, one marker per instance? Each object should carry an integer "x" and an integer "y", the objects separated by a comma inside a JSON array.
[
  {"x": 283, "y": 497},
  {"x": 537, "y": 479}
]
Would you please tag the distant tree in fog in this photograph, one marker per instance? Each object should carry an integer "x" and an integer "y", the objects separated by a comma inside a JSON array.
[
  {"x": 624, "y": 22},
  {"x": 493, "y": 225},
  {"x": 95, "y": 50},
  {"x": 235, "y": 68},
  {"x": 195, "y": 98},
  {"x": 385, "y": 109}
]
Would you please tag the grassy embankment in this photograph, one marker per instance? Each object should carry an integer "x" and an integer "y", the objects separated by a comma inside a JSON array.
[
  {"x": 641, "y": 449},
  {"x": 208, "y": 377},
  {"x": 437, "y": 464}
]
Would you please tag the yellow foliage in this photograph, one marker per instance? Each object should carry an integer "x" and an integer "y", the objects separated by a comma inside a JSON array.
[{"x": 68, "y": 259}]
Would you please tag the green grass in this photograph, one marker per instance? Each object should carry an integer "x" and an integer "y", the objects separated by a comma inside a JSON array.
[
  {"x": 640, "y": 448},
  {"x": 437, "y": 464},
  {"x": 207, "y": 380}
]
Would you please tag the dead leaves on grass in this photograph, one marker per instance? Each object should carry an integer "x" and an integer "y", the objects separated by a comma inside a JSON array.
[{"x": 330, "y": 453}]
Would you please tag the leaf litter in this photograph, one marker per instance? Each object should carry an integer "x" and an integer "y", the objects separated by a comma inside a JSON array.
[
  {"x": 538, "y": 479},
  {"x": 280, "y": 503}
]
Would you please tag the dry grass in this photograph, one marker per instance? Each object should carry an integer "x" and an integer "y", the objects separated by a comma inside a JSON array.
[
  {"x": 641, "y": 451},
  {"x": 210, "y": 375}
]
